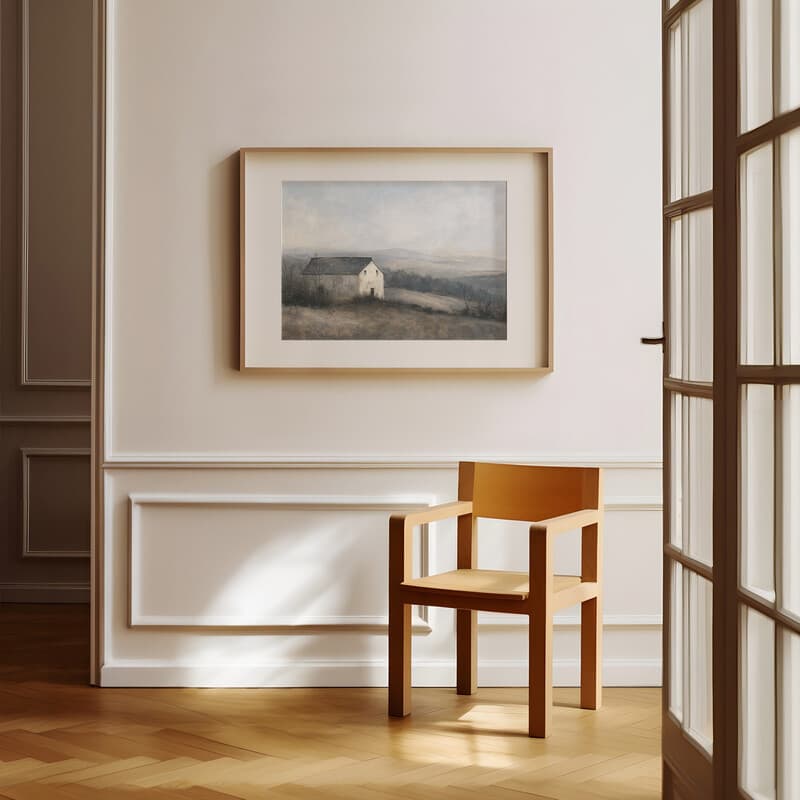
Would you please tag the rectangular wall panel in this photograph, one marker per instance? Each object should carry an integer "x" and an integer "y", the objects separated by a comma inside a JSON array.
[
  {"x": 56, "y": 192},
  {"x": 55, "y": 502},
  {"x": 44, "y": 505},
  {"x": 246, "y": 560},
  {"x": 238, "y": 575}
]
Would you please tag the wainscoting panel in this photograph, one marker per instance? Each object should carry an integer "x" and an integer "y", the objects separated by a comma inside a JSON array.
[
  {"x": 55, "y": 502},
  {"x": 44, "y": 505},
  {"x": 270, "y": 575},
  {"x": 273, "y": 571}
]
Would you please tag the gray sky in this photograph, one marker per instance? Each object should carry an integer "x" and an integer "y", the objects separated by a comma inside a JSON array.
[{"x": 434, "y": 217}]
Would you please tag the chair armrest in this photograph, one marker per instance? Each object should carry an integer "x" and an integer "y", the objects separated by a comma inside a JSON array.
[
  {"x": 459, "y": 508},
  {"x": 401, "y": 527},
  {"x": 540, "y": 551},
  {"x": 567, "y": 522}
]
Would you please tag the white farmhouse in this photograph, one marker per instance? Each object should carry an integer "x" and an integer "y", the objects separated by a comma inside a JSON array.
[{"x": 344, "y": 278}]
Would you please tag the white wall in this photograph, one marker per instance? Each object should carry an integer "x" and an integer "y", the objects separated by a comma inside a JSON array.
[{"x": 191, "y": 82}]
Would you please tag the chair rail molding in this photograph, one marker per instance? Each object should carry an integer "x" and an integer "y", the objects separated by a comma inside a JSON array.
[
  {"x": 217, "y": 461},
  {"x": 44, "y": 592},
  {"x": 53, "y": 419}
]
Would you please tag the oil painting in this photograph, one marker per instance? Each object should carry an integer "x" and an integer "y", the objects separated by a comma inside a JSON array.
[{"x": 401, "y": 260}]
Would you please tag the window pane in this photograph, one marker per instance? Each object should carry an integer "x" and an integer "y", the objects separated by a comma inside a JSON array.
[
  {"x": 678, "y": 433},
  {"x": 700, "y": 722},
  {"x": 691, "y": 296},
  {"x": 691, "y": 456},
  {"x": 758, "y": 482},
  {"x": 789, "y": 149},
  {"x": 699, "y": 106},
  {"x": 755, "y": 63},
  {"x": 757, "y": 257},
  {"x": 676, "y": 641},
  {"x": 700, "y": 479},
  {"x": 676, "y": 333},
  {"x": 789, "y": 56},
  {"x": 757, "y": 764},
  {"x": 676, "y": 112},
  {"x": 701, "y": 295},
  {"x": 789, "y": 720},
  {"x": 690, "y": 85},
  {"x": 791, "y": 500}
]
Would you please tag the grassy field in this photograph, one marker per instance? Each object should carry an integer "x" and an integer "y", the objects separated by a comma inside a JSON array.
[
  {"x": 434, "y": 302},
  {"x": 384, "y": 321}
]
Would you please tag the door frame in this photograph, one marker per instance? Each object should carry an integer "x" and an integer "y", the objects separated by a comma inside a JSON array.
[{"x": 99, "y": 243}]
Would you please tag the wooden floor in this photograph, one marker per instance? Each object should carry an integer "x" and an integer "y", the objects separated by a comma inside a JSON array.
[{"x": 62, "y": 740}]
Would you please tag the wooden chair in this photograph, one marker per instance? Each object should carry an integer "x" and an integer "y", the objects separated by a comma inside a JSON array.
[{"x": 555, "y": 500}]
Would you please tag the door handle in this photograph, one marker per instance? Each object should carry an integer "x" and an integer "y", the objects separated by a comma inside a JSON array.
[{"x": 654, "y": 339}]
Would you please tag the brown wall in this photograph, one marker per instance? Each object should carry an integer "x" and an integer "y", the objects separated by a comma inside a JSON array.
[{"x": 45, "y": 298}]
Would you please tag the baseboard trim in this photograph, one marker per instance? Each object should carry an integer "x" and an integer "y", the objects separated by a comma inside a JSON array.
[
  {"x": 44, "y": 593},
  {"x": 298, "y": 674}
]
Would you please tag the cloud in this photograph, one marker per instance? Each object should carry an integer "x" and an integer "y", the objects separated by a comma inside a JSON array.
[{"x": 434, "y": 217}]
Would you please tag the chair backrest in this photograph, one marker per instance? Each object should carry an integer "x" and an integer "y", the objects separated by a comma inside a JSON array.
[{"x": 527, "y": 493}]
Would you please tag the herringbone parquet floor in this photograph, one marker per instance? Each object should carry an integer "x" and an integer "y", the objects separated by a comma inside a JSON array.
[{"x": 62, "y": 740}]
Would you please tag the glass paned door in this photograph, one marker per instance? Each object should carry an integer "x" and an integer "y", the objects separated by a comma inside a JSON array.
[
  {"x": 768, "y": 384},
  {"x": 688, "y": 397},
  {"x": 731, "y": 179}
]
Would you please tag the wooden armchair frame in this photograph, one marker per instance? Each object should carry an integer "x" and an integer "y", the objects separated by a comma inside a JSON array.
[{"x": 502, "y": 491}]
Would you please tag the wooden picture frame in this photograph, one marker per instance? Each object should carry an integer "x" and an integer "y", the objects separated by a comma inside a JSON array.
[{"x": 396, "y": 259}]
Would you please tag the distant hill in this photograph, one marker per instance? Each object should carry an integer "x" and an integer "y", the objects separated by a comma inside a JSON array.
[{"x": 438, "y": 265}]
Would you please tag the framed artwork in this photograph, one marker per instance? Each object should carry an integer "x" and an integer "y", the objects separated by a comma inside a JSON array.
[{"x": 396, "y": 259}]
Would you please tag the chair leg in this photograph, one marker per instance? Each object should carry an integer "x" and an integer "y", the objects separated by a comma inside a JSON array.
[
  {"x": 540, "y": 673},
  {"x": 591, "y": 653},
  {"x": 466, "y": 652},
  {"x": 399, "y": 659}
]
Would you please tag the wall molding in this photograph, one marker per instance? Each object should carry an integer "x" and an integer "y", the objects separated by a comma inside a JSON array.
[
  {"x": 16, "y": 419},
  {"x": 26, "y": 380},
  {"x": 489, "y": 620},
  {"x": 343, "y": 673},
  {"x": 420, "y": 622},
  {"x": 27, "y": 453},
  {"x": 367, "y": 462},
  {"x": 643, "y": 503},
  {"x": 420, "y": 618},
  {"x": 279, "y": 624},
  {"x": 44, "y": 592},
  {"x": 284, "y": 502}
]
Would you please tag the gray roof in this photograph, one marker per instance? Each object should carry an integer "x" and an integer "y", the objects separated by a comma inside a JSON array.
[{"x": 340, "y": 265}]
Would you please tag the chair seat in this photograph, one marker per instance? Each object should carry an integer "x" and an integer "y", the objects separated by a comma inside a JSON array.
[{"x": 499, "y": 585}]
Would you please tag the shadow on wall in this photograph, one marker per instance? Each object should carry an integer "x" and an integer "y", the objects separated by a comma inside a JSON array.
[{"x": 223, "y": 261}]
